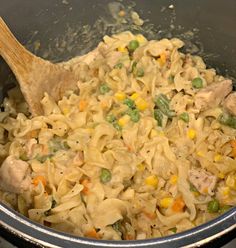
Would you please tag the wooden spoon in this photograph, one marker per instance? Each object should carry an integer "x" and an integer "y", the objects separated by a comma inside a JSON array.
[{"x": 35, "y": 75}]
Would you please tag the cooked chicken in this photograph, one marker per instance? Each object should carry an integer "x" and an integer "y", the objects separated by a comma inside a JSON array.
[
  {"x": 203, "y": 181},
  {"x": 230, "y": 103},
  {"x": 212, "y": 95},
  {"x": 14, "y": 176}
]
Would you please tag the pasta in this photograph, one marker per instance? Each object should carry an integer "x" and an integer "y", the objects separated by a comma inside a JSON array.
[{"x": 146, "y": 148}]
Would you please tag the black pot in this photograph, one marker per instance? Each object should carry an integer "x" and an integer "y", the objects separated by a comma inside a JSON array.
[{"x": 207, "y": 27}]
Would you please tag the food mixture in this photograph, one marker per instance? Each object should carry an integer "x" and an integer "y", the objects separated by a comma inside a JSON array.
[{"x": 145, "y": 148}]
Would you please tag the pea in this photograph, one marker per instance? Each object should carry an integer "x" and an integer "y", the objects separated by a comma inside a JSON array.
[
  {"x": 118, "y": 66},
  {"x": 110, "y": 118},
  {"x": 140, "y": 72},
  {"x": 224, "y": 208},
  {"x": 133, "y": 45},
  {"x": 213, "y": 206},
  {"x": 105, "y": 175},
  {"x": 134, "y": 115},
  {"x": 197, "y": 83},
  {"x": 104, "y": 88},
  {"x": 117, "y": 126},
  {"x": 158, "y": 117},
  {"x": 24, "y": 157},
  {"x": 129, "y": 102},
  {"x": 184, "y": 117}
]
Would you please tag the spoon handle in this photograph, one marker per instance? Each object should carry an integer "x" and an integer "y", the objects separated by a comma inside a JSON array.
[{"x": 16, "y": 56}]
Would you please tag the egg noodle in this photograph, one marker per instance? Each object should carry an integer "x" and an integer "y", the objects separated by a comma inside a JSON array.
[{"x": 145, "y": 148}]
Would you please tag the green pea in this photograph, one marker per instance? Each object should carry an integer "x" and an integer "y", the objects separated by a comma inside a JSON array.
[
  {"x": 104, "y": 88},
  {"x": 140, "y": 72},
  {"x": 197, "y": 83},
  {"x": 105, "y": 175},
  {"x": 129, "y": 102},
  {"x": 158, "y": 117},
  {"x": 24, "y": 157},
  {"x": 224, "y": 209},
  {"x": 110, "y": 118},
  {"x": 133, "y": 45},
  {"x": 117, "y": 126},
  {"x": 184, "y": 117},
  {"x": 134, "y": 115},
  {"x": 118, "y": 66},
  {"x": 213, "y": 206}
]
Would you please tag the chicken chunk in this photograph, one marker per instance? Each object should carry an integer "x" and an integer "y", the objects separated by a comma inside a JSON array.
[
  {"x": 203, "y": 181},
  {"x": 230, "y": 103},
  {"x": 212, "y": 95},
  {"x": 14, "y": 175}
]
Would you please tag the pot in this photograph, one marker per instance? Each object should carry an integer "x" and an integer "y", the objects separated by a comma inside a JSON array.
[{"x": 59, "y": 30}]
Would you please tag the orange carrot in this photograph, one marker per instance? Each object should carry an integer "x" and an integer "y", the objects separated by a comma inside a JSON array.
[
  {"x": 178, "y": 205},
  {"x": 85, "y": 183},
  {"x": 233, "y": 144},
  {"x": 92, "y": 234},
  {"x": 150, "y": 215},
  {"x": 82, "y": 105},
  {"x": 32, "y": 134},
  {"x": 38, "y": 179}
]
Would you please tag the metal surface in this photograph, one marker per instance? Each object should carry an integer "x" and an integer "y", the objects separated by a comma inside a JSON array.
[{"x": 212, "y": 23}]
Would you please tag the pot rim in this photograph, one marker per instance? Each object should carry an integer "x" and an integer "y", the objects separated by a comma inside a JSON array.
[{"x": 38, "y": 234}]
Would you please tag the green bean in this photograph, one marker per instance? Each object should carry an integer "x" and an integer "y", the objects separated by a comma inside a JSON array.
[
  {"x": 158, "y": 117},
  {"x": 174, "y": 229},
  {"x": 162, "y": 102},
  {"x": 105, "y": 175},
  {"x": 134, "y": 65},
  {"x": 228, "y": 120},
  {"x": 140, "y": 72}
]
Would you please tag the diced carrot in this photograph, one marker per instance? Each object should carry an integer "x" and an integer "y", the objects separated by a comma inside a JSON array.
[
  {"x": 233, "y": 144},
  {"x": 104, "y": 104},
  {"x": 32, "y": 134},
  {"x": 85, "y": 183},
  {"x": 150, "y": 215},
  {"x": 82, "y": 105},
  {"x": 178, "y": 205},
  {"x": 38, "y": 179},
  {"x": 92, "y": 234}
]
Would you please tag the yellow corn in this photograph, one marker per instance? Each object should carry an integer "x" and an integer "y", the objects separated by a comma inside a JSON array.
[
  {"x": 65, "y": 111},
  {"x": 140, "y": 38},
  {"x": 162, "y": 59},
  {"x": 191, "y": 133},
  {"x": 122, "y": 49},
  {"x": 173, "y": 179},
  {"x": 120, "y": 96},
  {"x": 217, "y": 158},
  {"x": 124, "y": 120},
  {"x": 141, "y": 167},
  {"x": 141, "y": 104},
  {"x": 166, "y": 202},
  {"x": 152, "y": 181},
  {"x": 154, "y": 133},
  {"x": 196, "y": 193},
  {"x": 221, "y": 175},
  {"x": 226, "y": 191},
  {"x": 231, "y": 182},
  {"x": 200, "y": 154},
  {"x": 134, "y": 96}
]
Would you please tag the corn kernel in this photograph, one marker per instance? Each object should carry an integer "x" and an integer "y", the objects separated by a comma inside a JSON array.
[
  {"x": 124, "y": 120},
  {"x": 200, "y": 154},
  {"x": 140, "y": 38},
  {"x": 122, "y": 49},
  {"x": 152, "y": 181},
  {"x": 141, "y": 104},
  {"x": 166, "y": 202},
  {"x": 217, "y": 158},
  {"x": 134, "y": 96},
  {"x": 191, "y": 133},
  {"x": 65, "y": 111},
  {"x": 173, "y": 179},
  {"x": 141, "y": 167},
  {"x": 196, "y": 194},
  {"x": 226, "y": 191},
  {"x": 221, "y": 175},
  {"x": 153, "y": 133},
  {"x": 120, "y": 96}
]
